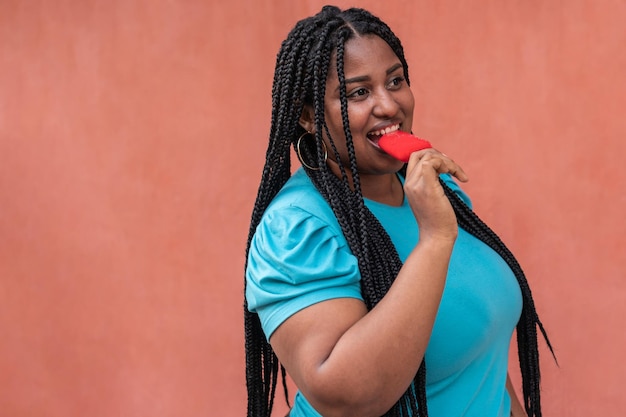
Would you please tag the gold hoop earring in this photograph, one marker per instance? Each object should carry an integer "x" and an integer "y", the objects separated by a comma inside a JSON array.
[{"x": 299, "y": 152}]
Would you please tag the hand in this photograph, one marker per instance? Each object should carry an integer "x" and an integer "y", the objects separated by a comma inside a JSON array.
[{"x": 426, "y": 196}]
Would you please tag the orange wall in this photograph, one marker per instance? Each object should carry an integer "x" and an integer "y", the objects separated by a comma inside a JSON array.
[{"x": 132, "y": 135}]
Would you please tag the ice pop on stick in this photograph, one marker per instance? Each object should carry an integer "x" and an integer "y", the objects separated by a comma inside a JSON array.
[{"x": 401, "y": 144}]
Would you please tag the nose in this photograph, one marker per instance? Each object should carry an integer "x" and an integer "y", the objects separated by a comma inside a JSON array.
[{"x": 385, "y": 105}]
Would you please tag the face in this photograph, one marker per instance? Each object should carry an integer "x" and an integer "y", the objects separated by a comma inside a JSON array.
[{"x": 379, "y": 100}]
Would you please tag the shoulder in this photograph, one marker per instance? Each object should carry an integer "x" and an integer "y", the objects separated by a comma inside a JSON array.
[
  {"x": 297, "y": 220},
  {"x": 299, "y": 200}
]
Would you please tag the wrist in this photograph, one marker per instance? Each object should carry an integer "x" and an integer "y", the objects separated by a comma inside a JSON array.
[{"x": 438, "y": 238}]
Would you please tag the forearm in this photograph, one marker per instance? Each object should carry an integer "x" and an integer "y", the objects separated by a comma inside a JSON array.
[{"x": 391, "y": 339}]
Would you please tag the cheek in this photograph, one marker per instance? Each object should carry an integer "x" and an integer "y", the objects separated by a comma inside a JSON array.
[
  {"x": 332, "y": 115},
  {"x": 410, "y": 103},
  {"x": 359, "y": 117},
  {"x": 334, "y": 121}
]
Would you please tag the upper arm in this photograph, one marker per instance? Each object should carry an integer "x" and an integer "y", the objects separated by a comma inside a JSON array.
[{"x": 306, "y": 339}]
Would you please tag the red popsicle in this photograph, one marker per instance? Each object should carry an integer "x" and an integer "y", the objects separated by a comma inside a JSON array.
[{"x": 401, "y": 144}]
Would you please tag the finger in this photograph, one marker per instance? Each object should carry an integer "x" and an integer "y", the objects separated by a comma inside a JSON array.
[
  {"x": 454, "y": 169},
  {"x": 440, "y": 162},
  {"x": 457, "y": 172}
]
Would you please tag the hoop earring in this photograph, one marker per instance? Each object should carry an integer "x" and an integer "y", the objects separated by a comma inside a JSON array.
[{"x": 299, "y": 153}]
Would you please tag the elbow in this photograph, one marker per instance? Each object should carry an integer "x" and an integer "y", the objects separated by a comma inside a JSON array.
[{"x": 344, "y": 400}]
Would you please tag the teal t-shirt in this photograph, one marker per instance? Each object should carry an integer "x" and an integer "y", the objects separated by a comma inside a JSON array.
[{"x": 299, "y": 257}]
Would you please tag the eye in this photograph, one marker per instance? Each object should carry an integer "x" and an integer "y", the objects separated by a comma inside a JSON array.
[
  {"x": 396, "y": 82},
  {"x": 358, "y": 93}
]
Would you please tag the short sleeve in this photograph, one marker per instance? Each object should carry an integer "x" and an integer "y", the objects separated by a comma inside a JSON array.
[
  {"x": 296, "y": 260},
  {"x": 450, "y": 182}
]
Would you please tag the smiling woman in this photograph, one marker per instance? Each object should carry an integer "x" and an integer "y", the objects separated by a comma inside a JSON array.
[
  {"x": 364, "y": 271},
  {"x": 379, "y": 101}
]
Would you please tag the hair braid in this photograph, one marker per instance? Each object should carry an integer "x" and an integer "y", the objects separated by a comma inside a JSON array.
[
  {"x": 261, "y": 362},
  {"x": 378, "y": 260},
  {"x": 302, "y": 67},
  {"x": 528, "y": 351},
  {"x": 361, "y": 226}
]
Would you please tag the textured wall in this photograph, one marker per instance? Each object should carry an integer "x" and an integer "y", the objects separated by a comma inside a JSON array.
[{"x": 132, "y": 135}]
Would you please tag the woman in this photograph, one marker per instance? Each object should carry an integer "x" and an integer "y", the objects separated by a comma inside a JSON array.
[{"x": 359, "y": 281}]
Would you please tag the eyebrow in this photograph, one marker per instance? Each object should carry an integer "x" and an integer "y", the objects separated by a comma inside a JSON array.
[{"x": 366, "y": 77}]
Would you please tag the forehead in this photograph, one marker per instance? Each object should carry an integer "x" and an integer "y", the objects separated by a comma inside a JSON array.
[{"x": 364, "y": 55}]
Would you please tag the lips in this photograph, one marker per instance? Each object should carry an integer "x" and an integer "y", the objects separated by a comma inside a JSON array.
[{"x": 374, "y": 136}]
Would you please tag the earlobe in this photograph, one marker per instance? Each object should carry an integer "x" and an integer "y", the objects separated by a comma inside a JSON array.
[{"x": 307, "y": 119}]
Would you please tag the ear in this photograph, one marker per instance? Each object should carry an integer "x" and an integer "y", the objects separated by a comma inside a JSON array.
[{"x": 307, "y": 118}]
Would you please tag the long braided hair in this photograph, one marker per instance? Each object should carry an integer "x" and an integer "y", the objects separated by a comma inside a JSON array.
[{"x": 300, "y": 79}]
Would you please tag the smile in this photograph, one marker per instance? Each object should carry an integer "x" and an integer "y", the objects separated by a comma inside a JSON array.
[{"x": 375, "y": 136}]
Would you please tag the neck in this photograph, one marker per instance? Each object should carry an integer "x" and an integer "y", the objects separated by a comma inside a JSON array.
[
  {"x": 382, "y": 188},
  {"x": 385, "y": 189}
]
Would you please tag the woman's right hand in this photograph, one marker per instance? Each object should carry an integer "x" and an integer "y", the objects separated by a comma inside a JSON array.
[{"x": 431, "y": 207}]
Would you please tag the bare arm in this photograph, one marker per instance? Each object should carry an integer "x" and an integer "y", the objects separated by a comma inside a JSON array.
[
  {"x": 517, "y": 410},
  {"x": 348, "y": 361}
]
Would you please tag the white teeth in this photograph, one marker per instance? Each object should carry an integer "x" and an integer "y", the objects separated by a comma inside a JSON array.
[{"x": 386, "y": 130}]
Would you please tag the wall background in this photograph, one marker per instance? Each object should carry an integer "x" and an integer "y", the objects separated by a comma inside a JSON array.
[{"x": 132, "y": 136}]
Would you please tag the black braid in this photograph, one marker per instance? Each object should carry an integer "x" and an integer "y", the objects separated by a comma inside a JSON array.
[
  {"x": 528, "y": 351},
  {"x": 302, "y": 67}
]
